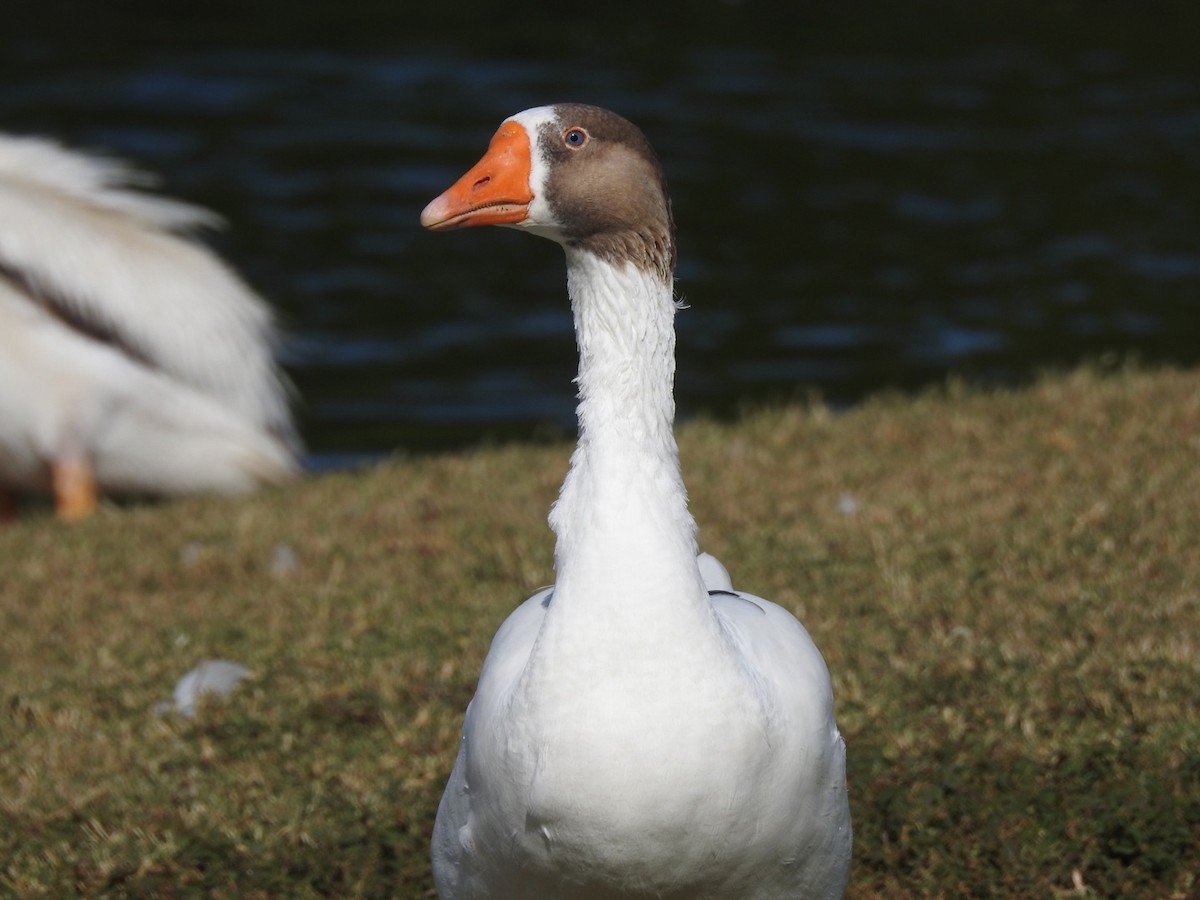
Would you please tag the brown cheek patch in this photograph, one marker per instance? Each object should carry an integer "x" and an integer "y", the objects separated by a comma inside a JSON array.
[{"x": 614, "y": 203}]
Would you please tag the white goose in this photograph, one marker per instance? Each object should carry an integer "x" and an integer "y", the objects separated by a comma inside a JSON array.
[
  {"x": 634, "y": 734},
  {"x": 131, "y": 358}
]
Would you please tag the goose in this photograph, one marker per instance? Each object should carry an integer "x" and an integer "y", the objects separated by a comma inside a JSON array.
[
  {"x": 132, "y": 360},
  {"x": 640, "y": 729}
]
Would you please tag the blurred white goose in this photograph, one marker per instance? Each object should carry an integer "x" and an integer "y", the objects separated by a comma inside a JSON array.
[
  {"x": 131, "y": 358},
  {"x": 633, "y": 734}
]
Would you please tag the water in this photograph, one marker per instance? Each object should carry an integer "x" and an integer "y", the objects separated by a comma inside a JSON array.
[{"x": 873, "y": 198}]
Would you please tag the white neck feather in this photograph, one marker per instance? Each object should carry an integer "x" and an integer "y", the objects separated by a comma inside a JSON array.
[{"x": 622, "y": 516}]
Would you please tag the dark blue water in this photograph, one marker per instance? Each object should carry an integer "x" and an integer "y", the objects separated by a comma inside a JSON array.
[{"x": 869, "y": 198}]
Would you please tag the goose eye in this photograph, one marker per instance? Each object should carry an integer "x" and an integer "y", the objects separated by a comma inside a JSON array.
[{"x": 575, "y": 138}]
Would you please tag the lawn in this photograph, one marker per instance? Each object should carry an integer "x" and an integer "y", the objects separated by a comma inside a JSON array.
[{"x": 1005, "y": 585}]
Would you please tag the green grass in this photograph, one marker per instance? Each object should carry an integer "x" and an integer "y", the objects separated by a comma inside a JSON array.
[{"x": 1010, "y": 608}]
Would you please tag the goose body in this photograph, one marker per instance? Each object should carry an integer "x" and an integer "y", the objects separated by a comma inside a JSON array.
[
  {"x": 640, "y": 730},
  {"x": 131, "y": 358}
]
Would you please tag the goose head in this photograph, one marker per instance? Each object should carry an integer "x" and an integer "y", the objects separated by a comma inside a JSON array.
[{"x": 580, "y": 175}]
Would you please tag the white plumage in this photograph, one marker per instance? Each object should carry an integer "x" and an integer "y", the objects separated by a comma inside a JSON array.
[
  {"x": 639, "y": 730},
  {"x": 131, "y": 358}
]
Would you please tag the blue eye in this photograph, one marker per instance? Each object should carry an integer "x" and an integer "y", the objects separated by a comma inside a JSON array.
[{"x": 575, "y": 137}]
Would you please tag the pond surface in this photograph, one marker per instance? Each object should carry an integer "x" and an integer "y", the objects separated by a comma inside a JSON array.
[{"x": 869, "y": 198}]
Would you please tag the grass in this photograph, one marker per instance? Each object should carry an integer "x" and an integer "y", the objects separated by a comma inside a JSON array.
[{"x": 1006, "y": 588}]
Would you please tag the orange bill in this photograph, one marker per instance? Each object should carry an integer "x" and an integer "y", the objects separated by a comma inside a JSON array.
[{"x": 494, "y": 192}]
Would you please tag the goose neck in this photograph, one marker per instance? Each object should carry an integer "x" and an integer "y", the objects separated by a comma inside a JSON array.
[{"x": 624, "y": 498}]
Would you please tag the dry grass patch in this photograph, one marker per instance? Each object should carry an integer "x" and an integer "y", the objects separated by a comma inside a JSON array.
[{"x": 1006, "y": 588}]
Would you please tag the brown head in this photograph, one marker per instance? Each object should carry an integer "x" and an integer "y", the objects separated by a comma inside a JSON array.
[{"x": 580, "y": 175}]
